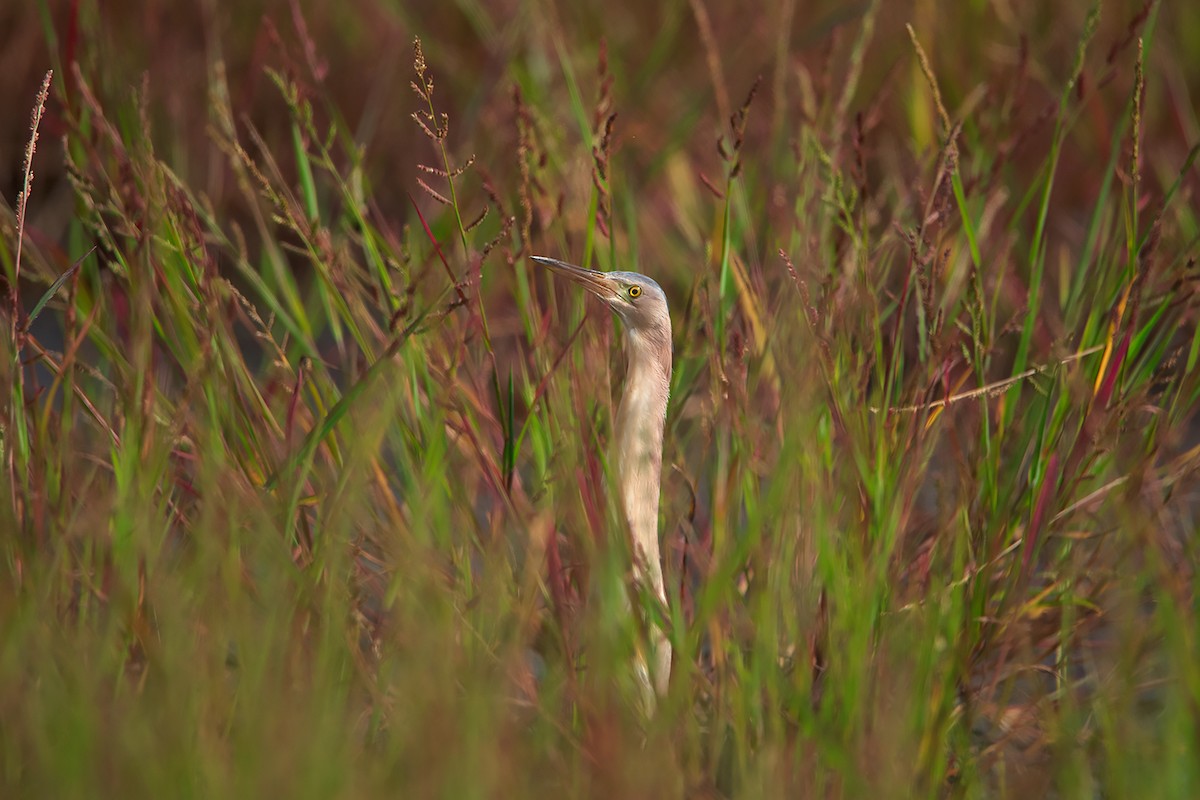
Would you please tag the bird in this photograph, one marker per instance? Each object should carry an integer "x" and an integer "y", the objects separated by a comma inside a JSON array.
[{"x": 641, "y": 305}]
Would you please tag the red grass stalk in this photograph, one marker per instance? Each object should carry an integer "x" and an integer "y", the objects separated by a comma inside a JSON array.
[{"x": 1040, "y": 507}]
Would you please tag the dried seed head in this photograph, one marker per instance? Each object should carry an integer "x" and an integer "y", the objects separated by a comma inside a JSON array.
[{"x": 418, "y": 57}]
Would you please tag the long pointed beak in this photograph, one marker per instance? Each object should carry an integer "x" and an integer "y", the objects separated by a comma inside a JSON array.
[{"x": 598, "y": 283}]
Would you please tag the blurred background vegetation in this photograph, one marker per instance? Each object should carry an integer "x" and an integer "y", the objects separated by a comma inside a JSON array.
[{"x": 304, "y": 487}]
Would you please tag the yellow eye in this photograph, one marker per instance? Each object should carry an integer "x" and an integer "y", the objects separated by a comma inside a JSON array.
[{"x": 635, "y": 291}]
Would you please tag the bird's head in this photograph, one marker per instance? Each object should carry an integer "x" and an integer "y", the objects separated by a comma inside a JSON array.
[{"x": 636, "y": 299}]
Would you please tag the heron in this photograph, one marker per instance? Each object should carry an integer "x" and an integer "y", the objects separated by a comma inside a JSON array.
[{"x": 642, "y": 307}]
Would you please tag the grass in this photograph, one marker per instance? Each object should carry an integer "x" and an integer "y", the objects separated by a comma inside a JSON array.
[{"x": 305, "y": 465}]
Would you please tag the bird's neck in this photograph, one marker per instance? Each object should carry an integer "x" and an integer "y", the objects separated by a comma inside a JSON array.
[{"x": 639, "y": 436}]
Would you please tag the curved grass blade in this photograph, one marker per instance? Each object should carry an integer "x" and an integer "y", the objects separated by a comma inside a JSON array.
[{"x": 54, "y": 287}]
